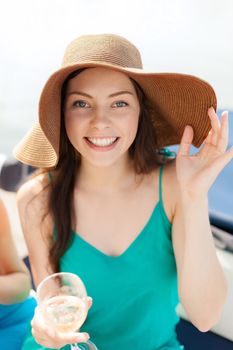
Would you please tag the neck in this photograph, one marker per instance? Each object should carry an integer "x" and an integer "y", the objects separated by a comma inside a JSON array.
[{"x": 106, "y": 179}]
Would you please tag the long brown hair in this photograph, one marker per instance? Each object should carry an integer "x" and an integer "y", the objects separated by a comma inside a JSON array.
[{"x": 143, "y": 152}]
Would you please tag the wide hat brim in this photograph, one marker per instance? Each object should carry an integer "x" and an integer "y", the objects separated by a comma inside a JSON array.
[{"x": 177, "y": 100}]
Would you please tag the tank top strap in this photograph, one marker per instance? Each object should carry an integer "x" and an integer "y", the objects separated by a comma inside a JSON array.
[
  {"x": 160, "y": 183},
  {"x": 166, "y": 154}
]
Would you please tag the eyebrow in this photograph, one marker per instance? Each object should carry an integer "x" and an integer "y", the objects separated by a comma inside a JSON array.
[{"x": 111, "y": 95}]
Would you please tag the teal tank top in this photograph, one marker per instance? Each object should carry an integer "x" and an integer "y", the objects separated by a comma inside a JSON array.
[{"x": 134, "y": 294}]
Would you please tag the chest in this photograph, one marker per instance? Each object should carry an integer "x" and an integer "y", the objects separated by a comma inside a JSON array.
[{"x": 112, "y": 223}]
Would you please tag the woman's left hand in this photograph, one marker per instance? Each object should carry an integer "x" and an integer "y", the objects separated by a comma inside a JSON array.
[{"x": 197, "y": 173}]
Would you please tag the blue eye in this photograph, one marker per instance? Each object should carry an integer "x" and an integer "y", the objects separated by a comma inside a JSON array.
[
  {"x": 120, "y": 104},
  {"x": 80, "y": 104}
]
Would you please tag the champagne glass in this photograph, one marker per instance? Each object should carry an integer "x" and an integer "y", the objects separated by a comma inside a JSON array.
[{"x": 62, "y": 299}]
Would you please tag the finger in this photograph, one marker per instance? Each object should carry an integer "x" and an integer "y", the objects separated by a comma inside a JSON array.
[
  {"x": 54, "y": 339},
  {"x": 206, "y": 145},
  {"x": 186, "y": 141},
  {"x": 89, "y": 302},
  {"x": 43, "y": 334},
  {"x": 208, "y": 138},
  {"x": 223, "y": 137},
  {"x": 71, "y": 338},
  {"x": 223, "y": 160},
  {"x": 46, "y": 338},
  {"x": 215, "y": 124},
  {"x": 38, "y": 320},
  {"x": 50, "y": 337}
]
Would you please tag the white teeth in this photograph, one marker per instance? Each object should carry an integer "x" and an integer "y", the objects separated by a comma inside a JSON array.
[{"x": 102, "y": 142}]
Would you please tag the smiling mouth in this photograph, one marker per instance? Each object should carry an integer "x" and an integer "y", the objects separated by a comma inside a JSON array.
[{"x": 102, "y": 142}]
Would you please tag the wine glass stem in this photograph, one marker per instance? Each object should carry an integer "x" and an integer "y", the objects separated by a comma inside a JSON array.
[
  {"x": 87, "y": 345},
  {"x": 74, "y": 347}
]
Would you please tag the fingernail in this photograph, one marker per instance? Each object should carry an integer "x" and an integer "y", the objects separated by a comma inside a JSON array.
[{"x": 87, "y": 336}]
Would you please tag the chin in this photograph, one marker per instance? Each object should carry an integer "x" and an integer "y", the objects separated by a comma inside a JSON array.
[{"x": 102, "y": 164}]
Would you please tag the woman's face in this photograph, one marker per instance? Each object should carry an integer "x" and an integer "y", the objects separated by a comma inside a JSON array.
[{"x": 101, "y": 115}]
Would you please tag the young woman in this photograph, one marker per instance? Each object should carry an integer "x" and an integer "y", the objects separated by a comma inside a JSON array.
[
  {"x": 105, "y": 207},
  {"x": 16, "y": 308}
]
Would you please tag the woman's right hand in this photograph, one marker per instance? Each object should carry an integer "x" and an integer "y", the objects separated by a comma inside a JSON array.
[{"x": 49, "y": 337}]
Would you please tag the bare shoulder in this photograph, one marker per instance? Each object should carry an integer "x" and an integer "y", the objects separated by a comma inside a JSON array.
[
  {"x": 170, "y": 188},
  {"x": 32, "y": 187}
]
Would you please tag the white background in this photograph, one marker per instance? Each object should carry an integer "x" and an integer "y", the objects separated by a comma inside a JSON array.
[{"x": 189, "y": 36}]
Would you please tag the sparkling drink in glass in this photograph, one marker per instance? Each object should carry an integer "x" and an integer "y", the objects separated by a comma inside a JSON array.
[{"x": 62, "y": 299}]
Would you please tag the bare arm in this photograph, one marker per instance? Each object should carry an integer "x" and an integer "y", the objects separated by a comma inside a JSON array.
[
  {"x": 32, "y": 201},
  {"x": 202, "y": 284},
  {"x": 14, "y": 277},
  {"x": 36, "y": 225}
]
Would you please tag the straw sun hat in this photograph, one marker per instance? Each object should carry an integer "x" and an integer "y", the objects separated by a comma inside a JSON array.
[{"x": 177, "y": 99}]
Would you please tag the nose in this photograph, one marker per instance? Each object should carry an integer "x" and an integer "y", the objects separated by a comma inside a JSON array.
[{"x": 100, "y": 119}]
